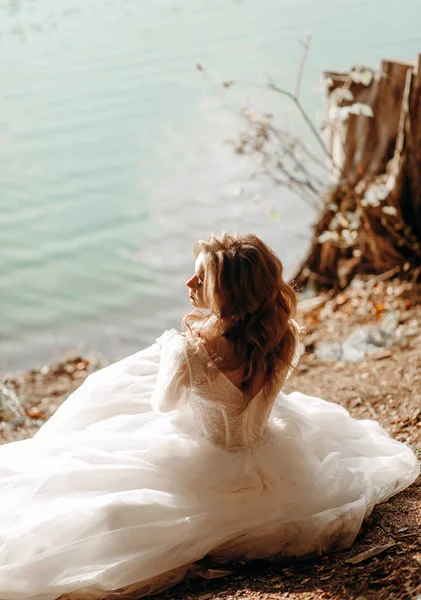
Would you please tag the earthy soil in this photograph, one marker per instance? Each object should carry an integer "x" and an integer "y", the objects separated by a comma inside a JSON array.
[
  {"x": 385, "y": 387},
  {"x": 28, "y": 399}
]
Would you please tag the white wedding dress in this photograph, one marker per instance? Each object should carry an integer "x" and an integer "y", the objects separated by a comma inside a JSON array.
[{"x": 144, "y": 470}]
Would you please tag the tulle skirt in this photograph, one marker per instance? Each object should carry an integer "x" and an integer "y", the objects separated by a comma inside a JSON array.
[{"x": 110, "y": 495}]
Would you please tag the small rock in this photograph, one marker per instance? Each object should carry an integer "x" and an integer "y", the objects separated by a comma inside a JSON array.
[
  {"x": 329, "y": 351},
  {"x": 364, "y": 341}
]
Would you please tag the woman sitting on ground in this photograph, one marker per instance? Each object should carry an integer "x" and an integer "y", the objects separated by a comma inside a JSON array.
[{"x": 190, "y": 448}]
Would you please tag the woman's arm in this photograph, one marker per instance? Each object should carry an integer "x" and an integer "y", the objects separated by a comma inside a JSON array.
[{"x": 173, "y": 380}]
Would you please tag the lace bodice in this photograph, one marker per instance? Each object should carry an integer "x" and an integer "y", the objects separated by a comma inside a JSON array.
[{"x": 216, "y": 403}]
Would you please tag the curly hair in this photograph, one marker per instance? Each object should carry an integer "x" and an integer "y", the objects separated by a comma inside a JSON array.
[{"x": 243, "y": 286}]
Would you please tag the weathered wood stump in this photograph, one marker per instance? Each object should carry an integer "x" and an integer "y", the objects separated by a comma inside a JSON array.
[{"x": 371, "y": 220}]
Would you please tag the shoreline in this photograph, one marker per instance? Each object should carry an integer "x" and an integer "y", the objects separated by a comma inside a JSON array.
[
  {"x": 384, "y": 386},
  {"x": 36, "y": 393}
]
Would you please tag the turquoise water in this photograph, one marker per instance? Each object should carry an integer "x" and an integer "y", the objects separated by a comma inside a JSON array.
[{"x": 113, "y": 153}]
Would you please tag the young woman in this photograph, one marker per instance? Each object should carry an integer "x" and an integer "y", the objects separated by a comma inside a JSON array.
[{"x": 190, "y": 448}]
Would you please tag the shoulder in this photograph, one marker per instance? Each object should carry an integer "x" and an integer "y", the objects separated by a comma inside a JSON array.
[
  {"x": 171, "y": 337},
  {"x": 175, "y": 340},
  {"x": 188, "y": 343}
]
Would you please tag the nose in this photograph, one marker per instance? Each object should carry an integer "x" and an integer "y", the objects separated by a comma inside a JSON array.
[{"x": 192, "y": 282}]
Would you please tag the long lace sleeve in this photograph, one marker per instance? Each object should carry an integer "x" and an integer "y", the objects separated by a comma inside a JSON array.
[
  {"x": 299, "y": 350},
  {"x": 173, "y": 379}
]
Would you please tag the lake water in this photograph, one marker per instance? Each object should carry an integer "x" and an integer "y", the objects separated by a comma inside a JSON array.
[{"x": 113, "y": 153}]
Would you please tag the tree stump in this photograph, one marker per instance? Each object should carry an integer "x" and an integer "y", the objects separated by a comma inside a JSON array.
[{"x": 371, "y": 220}]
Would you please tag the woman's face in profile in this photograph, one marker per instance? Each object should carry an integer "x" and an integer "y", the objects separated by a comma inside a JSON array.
[{"x": 195, "y": 283}]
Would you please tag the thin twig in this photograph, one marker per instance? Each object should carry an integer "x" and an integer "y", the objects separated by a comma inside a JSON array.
[
  {"x": 279, "y": 133},
  {"x": 300, "y": 167},
  {"x": 301, "y": 66},
  {"x": 387, "y": 274},
  {"x": 308, "y": 199},
  {"x": 272, "y": 86}
]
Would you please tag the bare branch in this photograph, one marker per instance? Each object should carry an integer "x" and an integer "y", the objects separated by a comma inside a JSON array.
[
  {"x": 272, "y": 86},
  {"x": 303, "y": 147},
  {"x": 301, "y": 66},
  {"x": 282, "y": 152}
]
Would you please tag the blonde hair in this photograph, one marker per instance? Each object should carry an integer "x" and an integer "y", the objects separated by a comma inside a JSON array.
[{"x": 243, "y": 286}]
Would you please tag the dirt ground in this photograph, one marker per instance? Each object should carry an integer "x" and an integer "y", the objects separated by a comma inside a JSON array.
[{"x": 385, "y": 387}]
